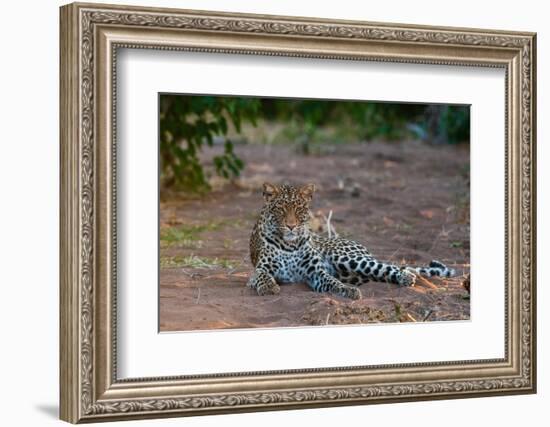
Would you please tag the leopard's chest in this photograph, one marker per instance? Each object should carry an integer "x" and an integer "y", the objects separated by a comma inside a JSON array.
[{"x": 291, "y": 266}]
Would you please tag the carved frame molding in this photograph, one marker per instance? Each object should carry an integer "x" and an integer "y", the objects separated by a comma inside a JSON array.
[{"x": 90, "y": 37}]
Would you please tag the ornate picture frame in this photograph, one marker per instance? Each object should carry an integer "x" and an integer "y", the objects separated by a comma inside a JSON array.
[{"x": 90, "y": 37}]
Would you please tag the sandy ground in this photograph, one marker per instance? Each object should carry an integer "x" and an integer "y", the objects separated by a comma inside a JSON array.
[{"x": 408, "y": 203}]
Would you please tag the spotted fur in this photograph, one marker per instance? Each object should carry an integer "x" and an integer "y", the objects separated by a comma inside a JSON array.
[{"x": 284, "y": 250}]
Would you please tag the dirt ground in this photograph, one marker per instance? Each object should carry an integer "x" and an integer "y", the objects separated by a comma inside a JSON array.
[{"x": 407, "y": 202}]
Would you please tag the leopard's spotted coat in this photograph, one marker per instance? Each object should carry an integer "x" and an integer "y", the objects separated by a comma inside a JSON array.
[{"x": 284, "y": 250}]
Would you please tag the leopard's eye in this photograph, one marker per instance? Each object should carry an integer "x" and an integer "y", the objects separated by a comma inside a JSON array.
[
  {"x": 278, "y": 210},
  {"x": 302, "y": 213}
]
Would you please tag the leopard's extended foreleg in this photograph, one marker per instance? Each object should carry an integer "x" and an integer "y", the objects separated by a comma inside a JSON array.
[
  {"x": 368, "y": 268},
  {"x": 404, "y": 275},
  {"x": 435, "y": 268},
  {"x": 365, "y": 268},
  {"x": 263, "y": 282}
]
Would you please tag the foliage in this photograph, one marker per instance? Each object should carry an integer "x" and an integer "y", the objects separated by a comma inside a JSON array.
[
  {"x": 304, "y": 114},
  {"x": 189, "y": 122},
  {"x": 383, "y": 120},
  {"x": 366, "y": 121},
  {"x": 454, "y": 124}
]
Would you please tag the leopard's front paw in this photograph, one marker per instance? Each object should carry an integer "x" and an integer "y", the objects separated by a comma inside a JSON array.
[
  {"x": 350, "y": 292},
  {"x": 269, "y": 288},
  {"x": 406, "y": 278},
  {"x": 263, "y": 283}
]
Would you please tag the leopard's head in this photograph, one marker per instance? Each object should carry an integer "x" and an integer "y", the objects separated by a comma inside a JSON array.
[{"x": 287, "y": 210}]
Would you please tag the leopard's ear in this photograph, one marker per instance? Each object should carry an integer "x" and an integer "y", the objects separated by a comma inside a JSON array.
[
  {"x": 307, "y": 191},
  {"x": 269, "y": 191}
]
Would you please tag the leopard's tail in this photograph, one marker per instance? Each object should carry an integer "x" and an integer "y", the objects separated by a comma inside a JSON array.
[{"x": 435, "y": 268}]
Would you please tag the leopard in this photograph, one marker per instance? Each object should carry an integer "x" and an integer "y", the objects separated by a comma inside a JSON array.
[{"x": 283, "y": 250}]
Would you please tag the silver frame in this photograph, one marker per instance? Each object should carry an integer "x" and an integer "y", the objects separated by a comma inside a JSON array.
[{"x": 90, "y": 37}]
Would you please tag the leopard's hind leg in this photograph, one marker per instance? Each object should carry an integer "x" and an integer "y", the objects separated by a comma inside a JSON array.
[{"x": 319, "y": 277}]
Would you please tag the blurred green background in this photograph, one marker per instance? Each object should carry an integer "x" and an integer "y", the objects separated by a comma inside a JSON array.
[{"x": 188, "y": 124}]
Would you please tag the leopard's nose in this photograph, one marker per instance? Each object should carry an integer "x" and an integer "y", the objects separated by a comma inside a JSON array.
[{"x": 291, "y": 226}]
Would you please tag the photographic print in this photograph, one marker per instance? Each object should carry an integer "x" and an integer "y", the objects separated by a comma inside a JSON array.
[{"x": 311, "y": 212}]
